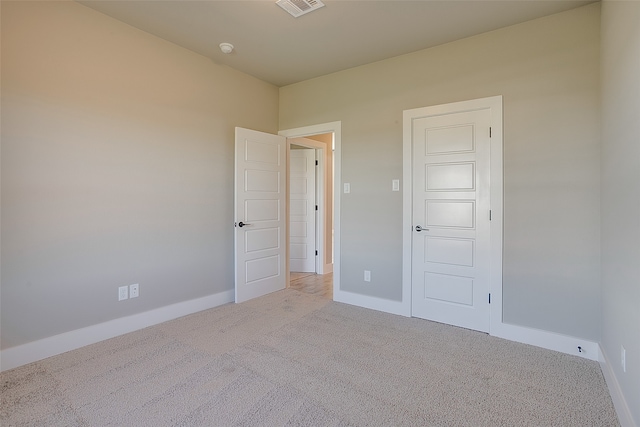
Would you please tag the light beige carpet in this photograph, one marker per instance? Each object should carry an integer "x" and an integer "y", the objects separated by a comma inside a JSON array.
[{"x": 294, "y": 359}]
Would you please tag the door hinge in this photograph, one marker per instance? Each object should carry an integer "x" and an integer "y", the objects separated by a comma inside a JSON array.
[
  {"x": 316, "y": 163},
  {"x": 489, "y": 298},
  {"x": 316, "y": 207},
  {"x": 316, "y": 253},
  {"x": 489, "y": 131},
  {"x": 489, "y": 214}
]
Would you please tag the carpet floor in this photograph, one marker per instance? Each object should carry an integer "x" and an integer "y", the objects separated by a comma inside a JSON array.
[{"x": 293, "y": 359}]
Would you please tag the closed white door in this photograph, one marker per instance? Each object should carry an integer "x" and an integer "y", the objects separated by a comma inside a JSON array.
[
  {"x": 260, "y": 203},
  {"x": 302, "y": 210},
  {"x": 451, "y": 209}
]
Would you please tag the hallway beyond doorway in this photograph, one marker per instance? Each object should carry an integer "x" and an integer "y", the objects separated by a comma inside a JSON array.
[{"x": 311, "y": 283}]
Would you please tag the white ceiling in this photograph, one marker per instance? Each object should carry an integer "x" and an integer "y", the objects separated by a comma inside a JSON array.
[{"x": 273, "y": 46}]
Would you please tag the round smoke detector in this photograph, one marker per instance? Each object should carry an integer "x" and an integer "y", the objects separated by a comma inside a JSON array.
[{"x": 226, "y": 47}]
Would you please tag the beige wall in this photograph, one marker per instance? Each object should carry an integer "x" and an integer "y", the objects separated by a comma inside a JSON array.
[
  {"x": 117, "y": 168},
  {"x": 621, "y": 194},
  {"x": 548, "y": 73}
]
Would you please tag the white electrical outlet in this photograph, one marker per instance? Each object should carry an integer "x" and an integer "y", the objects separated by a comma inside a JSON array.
[
  {"x": 367, "y": 276},
  {"x": 134, "y": 291},
  {"x": 623, "y": 358},
  {"x": 123, "y": 293},
  {"x": 395, "y": 185}
]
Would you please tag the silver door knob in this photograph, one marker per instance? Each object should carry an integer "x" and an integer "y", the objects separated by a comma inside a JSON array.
[
  {"x": 419, "y": 228},
  {"x": 242, "y": 224}
]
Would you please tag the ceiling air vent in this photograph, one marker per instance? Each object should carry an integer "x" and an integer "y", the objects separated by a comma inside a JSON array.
[{"x": 299, "y": 7}]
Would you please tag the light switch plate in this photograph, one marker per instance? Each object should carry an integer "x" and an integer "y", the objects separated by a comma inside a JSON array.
[
  {"x": 347, "y": 187},
  {"x": 395, "y": 185}
]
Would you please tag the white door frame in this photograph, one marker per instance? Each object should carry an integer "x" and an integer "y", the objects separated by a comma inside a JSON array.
[
  {"x": 495, "y": 275},
  {"x": 336, "y": 129},
  {"x": 319, "y": 149}
]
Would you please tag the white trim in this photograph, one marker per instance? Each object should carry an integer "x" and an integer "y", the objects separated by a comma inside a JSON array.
[
  {"x": 545, "y": 339},
  {"x": 336, "y": 129},
  {"x": 619, "y": 402},
  {"x": 57, "y": 344},
  {"x": 320, "y": 220},
  {"x": 373, "y": 303},
  {"x": 407, "y": 208},
  {"x": 494, "y": 104},
  {"x": 497, "y": 219}
]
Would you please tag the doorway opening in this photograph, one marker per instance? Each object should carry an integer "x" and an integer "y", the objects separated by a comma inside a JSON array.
[{"x": 312, "y": 225}]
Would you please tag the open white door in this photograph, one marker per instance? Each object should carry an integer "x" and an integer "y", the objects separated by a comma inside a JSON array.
[{"x": 260, "y": 214}]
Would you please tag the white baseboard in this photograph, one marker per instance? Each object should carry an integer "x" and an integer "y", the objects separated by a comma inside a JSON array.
[
  {"x": 536, "y": 337},
  {"x": 619, "y": 402},
  {"x": 57, "y": 344},
  {"x": 545, "y": 339},
  {"x": 373, "y": 303}
]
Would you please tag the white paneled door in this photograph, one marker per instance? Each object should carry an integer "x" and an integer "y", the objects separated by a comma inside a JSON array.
[
  {"x": 260, "y": 203},
  {"x": 302, "y": 210},
  {"x": 451, "y": 207}
]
